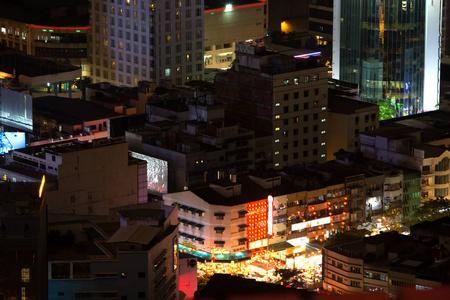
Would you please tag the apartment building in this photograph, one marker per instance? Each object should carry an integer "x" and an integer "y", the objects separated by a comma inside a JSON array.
[
  {"x": 195, "y": 139},
  {"x": 283, "y": 95},
  {"x": 347, "y": 118},
  {"x": 138, "y": 260},
  {"x": 90, "y": 177},
  {"x": 53, "y": 31},
  {"x": 232, "y": 218},
  {"x": 227, "y": 25},
  {"x": 387, "y": 263},
  {"x": 23, "y": 242},
  {"x": 135, "y": 40}
]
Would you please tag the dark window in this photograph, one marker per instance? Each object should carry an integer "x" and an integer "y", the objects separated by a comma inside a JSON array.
[
  {"x": 141, "y": 294},
  {"x": 296, "y": 95},
  {"x": 123, "y": 275},
  {"x": 305, "y": 105},
  {"x": 295, "y": 143},
  {"x": 286, "y": 109},
  {"x": 305, "y": 129},
  {"x": 305, "y": 153},
  {"x": 286, "y": 97},
  {"x": 305, "y": 93},
  {"x": 285, "y": 157},
  {"x": 295, "y": 107},
  {"x": 296, "y": 155},
  {"x": 315, "y": 128},
  {"x": 356, "y": 120},
  {"x": 305, "y": 118},
  {"x": 316, "y": 92},
  {"x": 286, "y": 121},
  {"x": 295, "y": 131},
  {"x": 141, "y": 274},
  {"x": 315, "y": 140},
  {"x": 315, "y": 116},
  {"x": 305, "y": 142},
  {"x": 314, "y": 151},
  {"x": 285, "y": 145}
]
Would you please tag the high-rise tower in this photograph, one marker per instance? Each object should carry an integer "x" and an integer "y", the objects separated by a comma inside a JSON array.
[
  {"x": 135, "y": 40},
  {"x": 391, "y": 49}
]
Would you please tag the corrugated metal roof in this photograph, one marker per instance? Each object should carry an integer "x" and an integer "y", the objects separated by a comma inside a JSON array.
[{"x": 137, "y": 234}]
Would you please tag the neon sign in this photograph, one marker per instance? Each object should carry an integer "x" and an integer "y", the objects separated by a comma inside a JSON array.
[
  {"x": 307, "y": 55},
  {"x": 258, "y": 244},
  {"x": 270, "y": 216}
]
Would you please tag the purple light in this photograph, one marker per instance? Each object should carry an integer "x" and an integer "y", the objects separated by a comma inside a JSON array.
[{"x": 308, "y": 55}]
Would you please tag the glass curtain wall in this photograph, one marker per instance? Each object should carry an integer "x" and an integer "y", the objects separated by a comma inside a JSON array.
[{"x": 382, "y": 50}]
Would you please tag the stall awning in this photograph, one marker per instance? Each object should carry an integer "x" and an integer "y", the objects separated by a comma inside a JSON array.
[
  {"x": 199, "y": 239},
  {"x": 183, "y": 221},
  {"x": 243, "y": 212},
  {"x": 192, "y": 209},
  {"x": 200, "y": 225}
]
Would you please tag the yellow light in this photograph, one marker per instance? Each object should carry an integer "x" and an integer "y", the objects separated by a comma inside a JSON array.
[{"x": 41, "y": 188}]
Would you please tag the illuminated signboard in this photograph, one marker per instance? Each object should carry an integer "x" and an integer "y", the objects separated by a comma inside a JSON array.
[
  {"x": 16, "y": 110},
  {"x": 157, "y": 172},
  {"x": 318, "y": 222},
  {"x": 258, "y": 244},
  {"x": 270, "y": 215},
  {"x": 307, "y": 55},
  {"x": 322, "y": 221},
  {"x": 257, "y": 220},
  {"x": 11, "y": 141}
]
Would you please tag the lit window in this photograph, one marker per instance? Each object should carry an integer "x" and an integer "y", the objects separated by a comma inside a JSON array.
[
  {"x": 167, "y": 72},
  {"x": 323, "y": 155},
  {"x": 277, "y": 116},
  {"x": 277, "y": 104},
  {"x": 25, "y": 275},
  {"x": 277, "y": 128},
  {"x": 323, "y": 132},
  {"x": 322, "y": 144},
  {"x": 324, "y": 120},
  {"x": 277, "y": 141},
  {"x": 286, "y": 82},
  {"x": 277, "y": 152},
  {"x": 277, "y": 164},
  {"x": 295, "y": 80},
  {"x": 324, "y": 108}
]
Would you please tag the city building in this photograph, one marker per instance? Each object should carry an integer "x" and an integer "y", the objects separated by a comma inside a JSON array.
[
  {"x": 386, "y": 263},
  {"x": 138, "y": 260},
  {"x": 284, "y": 95},
  {"x": 138, "y": 40},
  {"x": 346, "y": 119},
  {"x": 123, "y": 100},
  {"x": 401, "y": 146},
  {"x": 37, "y": 76},
  {"x": 194, "y": 138},
  {"x": 52, "y": 30},
  {"x": 232, "y": 220},
  {"x": 391, "y": 51},
  {"x": 23, "y": 242},
  {"x": 227, "y": 25},
  {"x": 90, "y": 177},
  {"x": 57, "y": 117},
  {"x": 320, "y": 21}
]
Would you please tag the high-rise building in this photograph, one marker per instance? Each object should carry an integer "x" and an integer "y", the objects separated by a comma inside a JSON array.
[
  {"x": 391, "y": 49},
  {"x": 134, "y": 40},
  {"x": 284, "y": 95}
]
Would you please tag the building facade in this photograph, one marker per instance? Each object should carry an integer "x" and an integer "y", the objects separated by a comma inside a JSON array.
[
  {"x": 135, "y": 40},
  {"x": 392, "y": 50},
  {"x": 283, "y": 95}
]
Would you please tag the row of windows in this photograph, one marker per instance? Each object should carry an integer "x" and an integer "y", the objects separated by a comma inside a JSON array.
[
  {"x": 296, "y": 95},
  {"x": 296, "y": 154},
  {"x": 151, "y": 6},
  {"x": 366, "y": 118},
  {"x": 296, "y": 80}
]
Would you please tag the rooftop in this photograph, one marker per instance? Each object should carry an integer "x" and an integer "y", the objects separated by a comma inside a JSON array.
[
  {"x": 342, "y": 105},
  {"x": 73, "y": 110},
  {"x": 12, "y": 62}
]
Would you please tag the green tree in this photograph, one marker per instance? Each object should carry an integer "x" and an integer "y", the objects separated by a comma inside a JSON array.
[
  {"x": 346, "y": 236},
  {"x": 430, "y": 210},
  {"x": 387, "y": 110}
]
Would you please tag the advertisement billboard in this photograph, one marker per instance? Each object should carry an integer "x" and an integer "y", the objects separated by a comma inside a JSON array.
[
  {"x": 16, "y": 110},
  {"x": 11, "y": 141},
  {"x": 157, "y": 172}
]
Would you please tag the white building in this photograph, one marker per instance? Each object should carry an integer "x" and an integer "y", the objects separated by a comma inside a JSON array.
[{"x": 134, "y": 40}]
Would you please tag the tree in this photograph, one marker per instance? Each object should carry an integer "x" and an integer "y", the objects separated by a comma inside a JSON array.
[
  {"x": 430, "y": 210},
  {"x": 387, "y": 110},
  {"x": 346, "y": 236}
]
